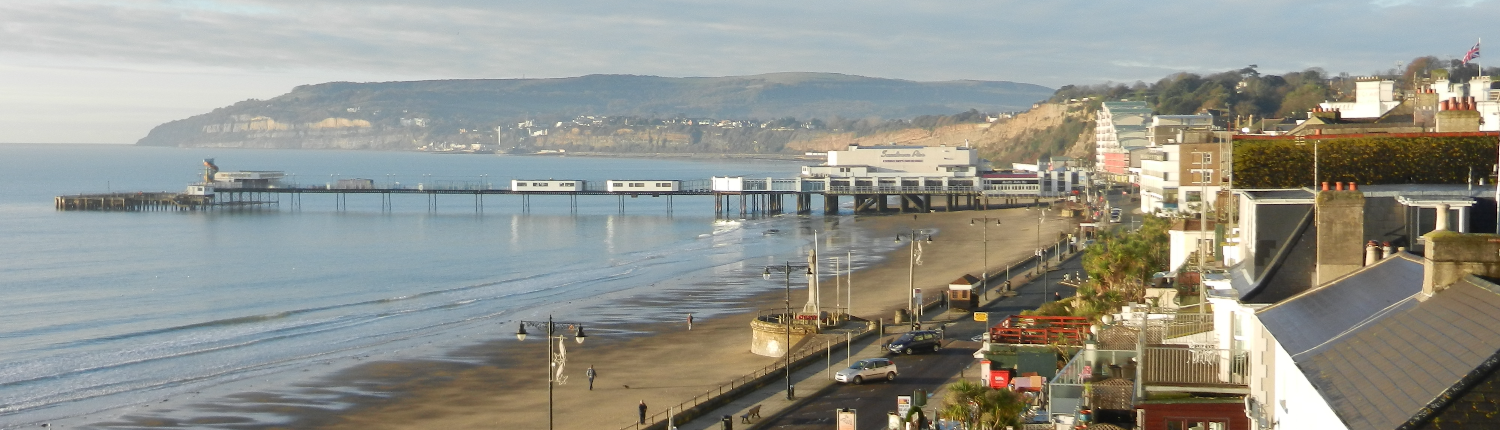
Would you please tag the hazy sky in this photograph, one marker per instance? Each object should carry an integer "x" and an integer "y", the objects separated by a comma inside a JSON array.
[{"x": 107, "y": 71}]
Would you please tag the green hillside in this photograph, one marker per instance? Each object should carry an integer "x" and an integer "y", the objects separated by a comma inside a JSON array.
[{"x": 370, "y": 115}]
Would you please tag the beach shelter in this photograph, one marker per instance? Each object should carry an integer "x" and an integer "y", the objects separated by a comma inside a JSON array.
[{"x": 961, "y": 293}]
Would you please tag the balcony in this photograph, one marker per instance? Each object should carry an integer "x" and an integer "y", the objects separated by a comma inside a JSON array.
[{"x": 1193, "y": 368}]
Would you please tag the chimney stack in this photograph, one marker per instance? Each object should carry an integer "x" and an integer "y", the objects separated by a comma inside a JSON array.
[
  {"x": 1451, "y": 256},
  {"x": 1341, "y": 229}
]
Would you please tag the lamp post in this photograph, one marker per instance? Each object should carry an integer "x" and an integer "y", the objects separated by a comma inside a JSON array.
[
  {"x": 786, "y": 318},
  {"x": 911, "y": 274},
  {"x": 1041, "y": 253},
  {"x": 984, "y": 222},
  {"x": 554, "y": 366}
]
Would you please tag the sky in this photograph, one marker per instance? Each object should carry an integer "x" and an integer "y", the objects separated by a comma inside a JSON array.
[{"x": 107, "y": 71}]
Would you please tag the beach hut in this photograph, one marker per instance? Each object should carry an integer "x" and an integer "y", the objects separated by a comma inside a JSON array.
[{"x": 961, "y": 293}]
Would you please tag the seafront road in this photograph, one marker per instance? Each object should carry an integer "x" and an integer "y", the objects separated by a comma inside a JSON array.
[{"x": 819, "y": 397}]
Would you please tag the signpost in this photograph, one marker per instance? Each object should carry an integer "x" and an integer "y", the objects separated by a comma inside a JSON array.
[{"x": 847, "y": 419}]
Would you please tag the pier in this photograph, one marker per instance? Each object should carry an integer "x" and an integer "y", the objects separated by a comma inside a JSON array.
[
  {"x": 732, "y": 194},
  {"x": 139, "y": 201}
]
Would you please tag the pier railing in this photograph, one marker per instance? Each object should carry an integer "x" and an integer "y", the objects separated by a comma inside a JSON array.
[
  {"x": 716, "y": 397},
  {"x": 894, "y": 189}
]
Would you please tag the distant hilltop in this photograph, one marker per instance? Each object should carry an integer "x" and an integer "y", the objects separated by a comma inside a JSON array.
[{"x": 514, "y": 113}]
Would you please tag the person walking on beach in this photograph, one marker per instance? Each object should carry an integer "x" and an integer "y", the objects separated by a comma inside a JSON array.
[
  {"x": 643, "y": 411},
  {"x": 590, "y": 373},
  {"x": 690, "y": 321}
]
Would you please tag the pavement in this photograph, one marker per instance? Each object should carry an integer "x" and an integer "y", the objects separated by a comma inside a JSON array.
[{"x": 819, "y": 396}]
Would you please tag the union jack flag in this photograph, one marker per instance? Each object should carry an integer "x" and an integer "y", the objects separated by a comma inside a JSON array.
[{"x": 1473, "y": 53}]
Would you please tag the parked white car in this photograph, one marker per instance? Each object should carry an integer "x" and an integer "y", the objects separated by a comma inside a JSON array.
[{"x": 867, "y": 369}]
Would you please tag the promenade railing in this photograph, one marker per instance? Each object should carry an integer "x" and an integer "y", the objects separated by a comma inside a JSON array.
[{"x": 684, "y": 410}]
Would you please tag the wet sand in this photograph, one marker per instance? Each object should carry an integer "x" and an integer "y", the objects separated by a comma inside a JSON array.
[{"x": 661, "y": 363}]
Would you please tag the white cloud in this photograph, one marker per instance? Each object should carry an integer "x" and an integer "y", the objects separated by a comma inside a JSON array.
[{"x": 189, "y": 56}]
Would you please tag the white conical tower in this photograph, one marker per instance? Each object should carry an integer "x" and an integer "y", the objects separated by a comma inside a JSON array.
[{"x": 812, "y": 306}]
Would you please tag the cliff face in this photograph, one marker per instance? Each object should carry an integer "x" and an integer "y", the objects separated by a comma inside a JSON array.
[
  {"x": 406, "y": 115},
  {"x": 1048, "y": 129}
]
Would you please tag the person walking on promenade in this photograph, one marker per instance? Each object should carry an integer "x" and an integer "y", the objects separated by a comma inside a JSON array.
[
  {"x": 643, "y": 411},
  {"x": 590, "y": 373}
]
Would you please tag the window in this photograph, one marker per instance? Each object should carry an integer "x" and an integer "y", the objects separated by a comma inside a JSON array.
[
  {"x": 1205, "y": 158},
  {"x": 1196, "y": 424},
  {"x": 520, "y": 184},
  {"x": 1202, "y": 176},
  {"x": 1193, "y": 196}
]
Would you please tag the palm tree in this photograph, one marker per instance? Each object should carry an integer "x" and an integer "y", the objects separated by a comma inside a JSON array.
[{"x": 981, "y": 408}]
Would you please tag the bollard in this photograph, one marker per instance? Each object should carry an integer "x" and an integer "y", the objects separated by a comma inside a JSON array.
[{"x": 727, "y": 422}]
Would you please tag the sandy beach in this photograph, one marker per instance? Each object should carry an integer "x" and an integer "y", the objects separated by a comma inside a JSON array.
[{"x": 664, "y": 366}]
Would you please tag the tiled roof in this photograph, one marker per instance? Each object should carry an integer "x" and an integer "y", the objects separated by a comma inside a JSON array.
[
  {"x": 1426, "y": 348},
  {"x": 1314, "y": 318},
  {"x": 1285, "y": 267},
  {"x": 967, "y": 279},
  {"x": 1397, "y": 364}
]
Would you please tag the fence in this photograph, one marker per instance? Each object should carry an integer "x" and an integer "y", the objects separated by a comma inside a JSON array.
[
  {"x": 715, "y": 397},
  {"x": 1194, "y": 365},
  {"x": 892, "y": 189}
]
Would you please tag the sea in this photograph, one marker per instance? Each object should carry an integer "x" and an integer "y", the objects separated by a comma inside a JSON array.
[{"x": 105, "y": 314}]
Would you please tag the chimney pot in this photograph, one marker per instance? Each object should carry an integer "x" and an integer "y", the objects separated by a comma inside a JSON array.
[
  {"x": 1351, "y": 187},
  {"x": 1338, "y": 186},
  {"x": 1385, "y": 250},
  {"x": 1441, "y": 221},
  {"x": 1325, "y": 185}
]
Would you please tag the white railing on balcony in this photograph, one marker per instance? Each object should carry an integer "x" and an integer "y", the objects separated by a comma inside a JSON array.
[{"x": 1065, "y": 395}]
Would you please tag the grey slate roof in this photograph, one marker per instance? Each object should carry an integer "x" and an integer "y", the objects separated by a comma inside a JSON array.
[
  {"x": 1387, "y": 366},
  {"x": 1284, "y": 255},
  {"x": 1313, "y": 318}
]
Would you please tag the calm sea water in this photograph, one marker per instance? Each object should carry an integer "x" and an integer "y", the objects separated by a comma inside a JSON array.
[{"x": 104, "y": 312}]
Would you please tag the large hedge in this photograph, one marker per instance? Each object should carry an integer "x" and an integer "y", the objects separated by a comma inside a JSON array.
[{"x": 1288, "y": 163}]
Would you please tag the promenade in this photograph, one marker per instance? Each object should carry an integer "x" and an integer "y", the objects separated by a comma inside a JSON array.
[{"x": 656, "y": 361}]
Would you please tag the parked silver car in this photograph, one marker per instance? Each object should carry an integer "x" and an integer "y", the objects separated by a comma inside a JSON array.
[{"x": 867, "y": 369}]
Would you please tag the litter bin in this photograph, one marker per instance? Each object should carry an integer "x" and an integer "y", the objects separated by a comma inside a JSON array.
[
  {"x": 791, "y": 391},
  {"x": 728, "y": 422}
]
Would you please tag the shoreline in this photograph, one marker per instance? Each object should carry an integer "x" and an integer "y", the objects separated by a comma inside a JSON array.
[{"x": 497, "y": 382}]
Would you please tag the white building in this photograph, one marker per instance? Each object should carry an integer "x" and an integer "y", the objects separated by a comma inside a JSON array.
[
  {"x": 892, "y": 160},
  {"x": 1184, "y": 169},
  {"x": 1487, "y": 98},
  {"x": 1119, "y": 126},
  {"x": 1373, "y": 97}
]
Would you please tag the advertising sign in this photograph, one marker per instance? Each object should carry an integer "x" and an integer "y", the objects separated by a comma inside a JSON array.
[
  {"x": 846, "y": 419},
  {"x": 981, "y": 316},
  {"x": 903, "y": 405},
  {"x": 999, "y": 378}
]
